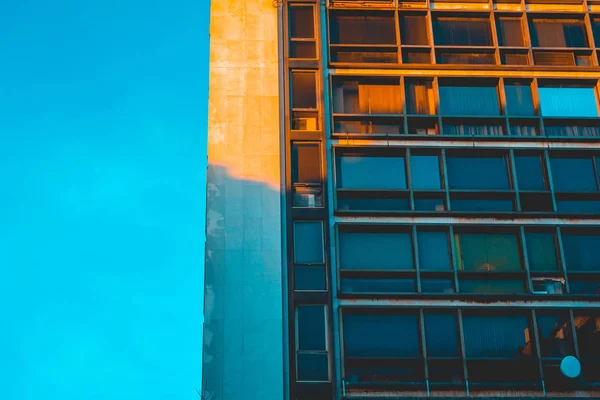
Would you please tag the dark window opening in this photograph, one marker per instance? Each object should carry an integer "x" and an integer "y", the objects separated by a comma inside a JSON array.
[
  {"x": 452, "y": 31},
  {"x": 364, "y": 172},
  {"x": 413, "y": 30},
  {"x": 302, "y": 23},
  {"x": 304, "y": 89},
  {"x": 308, "y": 242},
  {"x": 541, "y": 251},
  {"x": 378, "y": 28},
  {"x": 375, "y": 251},
  {"x": 488, "y": 252},
  {"x": 557, "y": 33},
  {"x": 581, "y": 251},
  {"x": 480, "y": 173},
  {"x": 510, "y": 32},
  {"x": 573, "y": 174}
]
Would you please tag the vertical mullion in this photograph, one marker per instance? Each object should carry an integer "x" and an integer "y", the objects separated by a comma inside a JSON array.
[
  {"x": 502, "y": 95},
  {"x": 537, "y": 105},
  {"x": 398, "y": 38},
  {"x": 526, "y": 258},
  {"x": 574, "y": 334},
  {"x": 546, "y": 156},
  {"x": 424, "y": 347},
  {"x": 430, "y": 39},
  {"x": 538, "y": 350},
  {"x": 403, "y": 94},
  {"x": 445, "y": 179},
  {"x": 492, "y": 19},
  {"x": 526, "y": 32},
  {"x": 561, "y": 254},
  {"x": 513, "y": 175},
  {"x": 435, "y": 87},
  {"x": 590, "y": 33},
  {"x": 462, "y": 350},
  {"x": 454, "y": 256},
  {"x": 415, "y": 243},
  {"x": 411, "y": 198}
]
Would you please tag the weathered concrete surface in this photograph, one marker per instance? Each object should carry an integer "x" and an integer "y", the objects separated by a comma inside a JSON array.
[{"x": 243, "y": 357}]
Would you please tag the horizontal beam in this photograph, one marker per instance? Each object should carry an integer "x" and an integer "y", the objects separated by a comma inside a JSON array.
[
  {"x": 443, "y": 303},
  {"x": 480, "y": 142},
  {"x": 465, "y": 221}
]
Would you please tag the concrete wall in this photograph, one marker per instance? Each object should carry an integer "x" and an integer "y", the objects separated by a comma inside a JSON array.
[{"x": 243, "y": 357}]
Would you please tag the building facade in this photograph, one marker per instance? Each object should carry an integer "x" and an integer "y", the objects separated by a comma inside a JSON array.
[{"x": 403, "y": 199}]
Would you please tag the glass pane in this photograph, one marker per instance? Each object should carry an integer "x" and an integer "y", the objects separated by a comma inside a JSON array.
[
  {"x": 306, "y": 163},
  {"x": 446, "y": 371},
  {"x": 375, "y": 251},
  {"x": 491, "y": 286},
  {"x": 530, "y": 174},
  {"x": 450, "y": 31},
  {"x": 364, "y": 29},
  {"x": 419, "y": 97},
  {"x": 519, "y": 101},
  {"x": 413, "y": 30},
  {"x": 578, "y": 206},
  {"x": 503, "y": 372},
  {"x": 469, "y": 100},
  {"x": 573, "y": 174},
  {"x": 488, "y": 252},
  {"x": 312, "y": 367},
  {"x": 434, "y": 252},
  {"x": 437, "y": 286},
  {"x": 510, "y": 32},
  {"x": 584, "y": 285},
  {"x": 557, "y": 33},
  {"x": 541, "y": 251},
  {"x": 311, "y": 327},
  {"x": 482, "y": 205},
  {"x": 303, "y": 49},
  {"x": 568, "y": 102},
  {"x": 581, "y": 252},
  {"x": 381, "y": 336},
  {"x": 425, "y": 172},
  {"x": 441, "y": 335},
  {"x": 387, "y": 285},
  {"x": 429, "y": 204},
  {"x": 588, "y": 335},
  {"x": 309, "y": 278},
  {"x": 304, "y": 90},
  {"x": 302, "y": 22},
  {"x": 488, "y": 173},
  {"x": 497, "y": 336},
  {"x": 554, "y": 332},
  {"x": 308, "y": 242},
  {"x": 358, "y": 172},
  {"x": 373, "y": 204}
]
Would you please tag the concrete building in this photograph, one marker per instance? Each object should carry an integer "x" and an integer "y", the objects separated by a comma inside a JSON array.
[{"x": 403, "y": 199}]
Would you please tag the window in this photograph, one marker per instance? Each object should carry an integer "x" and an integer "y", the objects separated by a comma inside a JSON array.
[
  {"x": 302, "y": 22},
  {"x": 308, "y": 242},
  {"x": 541, "y": 251},
  {"x": 554, "y": 332},
  {"x": 510, "y": 32},
  {"x": 488, "y": 252},
  {"x": 519, "y": 101},
  {"x": 306, "y": 174},
  {"x": 304, "y": 101},
  {"x": 557, "y": 33},
  {"x": 302, "y": 32},
  {"x": 530, "y": 173},
  {"x": 457, "y": 98},
  {"x": 425, "y": 172},
  {"x": 373, "y": 28},
  {"x": 581, "y": 251},
  {"x": 365, "y": 172},
  {"x": 419, "y": 97},
  {"x": 568, "y": 101},
  {"x": 573, "y": 174},
  {"x": 483, "y": 173},
  {"x": 434, "y": 254},
  {"x": 413, "y": 30},
  {"x": 309, "y": 277},
  {"x": 452, "y": 31},
  {"x": 311, "y": 348},
  {"x": 381, "y": 336},
  {"x": 441, "y": 335},
  {"x": 368, "y": 96},
  {"x": 304, "y": 90},
  {"x": 375, "y": 251}
]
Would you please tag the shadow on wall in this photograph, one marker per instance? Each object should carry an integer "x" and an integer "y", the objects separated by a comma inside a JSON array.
[{"x": 243, "y": 315}]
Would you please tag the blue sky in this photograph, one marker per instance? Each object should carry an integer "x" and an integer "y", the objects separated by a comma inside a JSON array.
[{"x": 103, "y": 108}]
